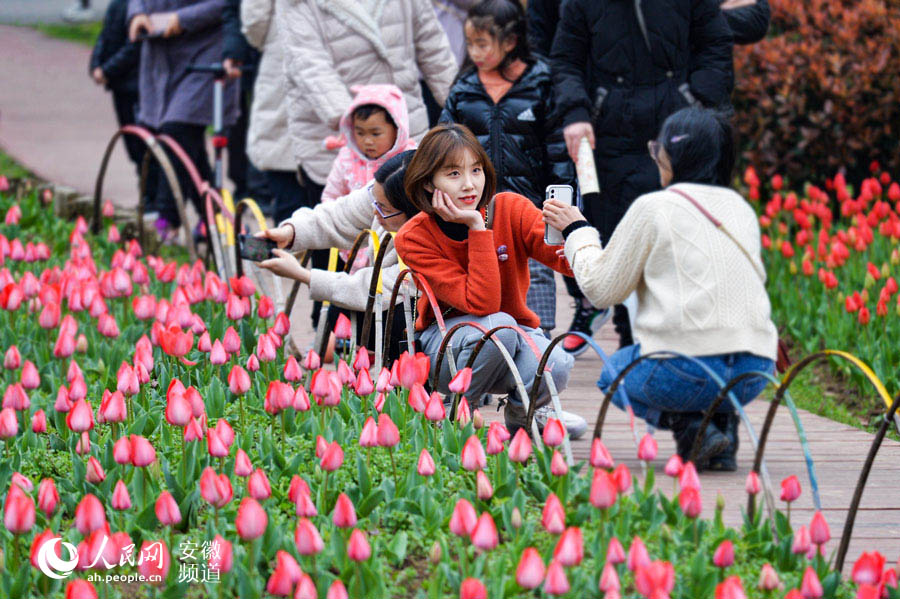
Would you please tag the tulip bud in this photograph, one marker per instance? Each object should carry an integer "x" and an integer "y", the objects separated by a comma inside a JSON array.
[
  {"x": 515, "y": 519},
  {"x": 477, "y": 419},
  {"x": 768, "y": 578},
  {"x": 434, "y": 555}
]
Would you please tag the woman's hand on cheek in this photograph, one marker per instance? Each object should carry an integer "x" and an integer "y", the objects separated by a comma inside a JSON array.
[
  {"x": 448, "y": 211},
  {"x": 559, "y": 216}
]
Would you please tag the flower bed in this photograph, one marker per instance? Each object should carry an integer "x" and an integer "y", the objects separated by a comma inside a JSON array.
[
  {"x": 154, "y": 427},
  {"x": 831, "y": 256}
]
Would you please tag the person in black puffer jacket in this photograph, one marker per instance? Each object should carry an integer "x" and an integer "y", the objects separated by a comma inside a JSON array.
[
  {"x": 620, "y": 67},
  {"x": 505, "y": 96},
  {"x": 115, "y": 62},
  {"x": 748, "y": 19}
]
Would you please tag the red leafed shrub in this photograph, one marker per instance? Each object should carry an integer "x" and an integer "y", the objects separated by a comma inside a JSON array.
[{"x": 822, "y": 92}]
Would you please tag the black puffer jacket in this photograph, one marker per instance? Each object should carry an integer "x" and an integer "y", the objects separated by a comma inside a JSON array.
[
  {"x": 749, "y": 24},
  {"x": 521, "y": 133},
  {"x": 543, "y": 17},
  {"x": 626, "y": 65},
  {"x": 114, "y": 53}
]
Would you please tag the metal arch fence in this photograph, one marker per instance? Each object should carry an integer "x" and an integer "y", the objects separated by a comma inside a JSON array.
[{"x": 214, "y": 201}]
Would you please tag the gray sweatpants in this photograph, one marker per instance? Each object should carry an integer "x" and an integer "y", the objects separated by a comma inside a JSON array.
[{"x": 490, "y": 373}]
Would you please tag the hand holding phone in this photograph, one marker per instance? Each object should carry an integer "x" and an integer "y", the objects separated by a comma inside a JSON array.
[
  {"x": 256, "y": 249},
  {"x": 563, "y": 194}
]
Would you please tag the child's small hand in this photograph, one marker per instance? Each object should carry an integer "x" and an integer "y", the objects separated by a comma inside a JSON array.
[{"x": 283, "y": 235}]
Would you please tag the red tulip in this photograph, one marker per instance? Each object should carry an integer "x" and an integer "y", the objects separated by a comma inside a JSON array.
[
  {"x": 342, "y": 328},
  {"x": 221, "y": 557},
  {"x": 689, "y": 477},
  {"x": 80, "y": 589},
  {"x": 622, "y": 477},
  {"x": 868, "y": 568},
  {"x": 556, "y": 582},
  {"x": 484, "y": 535},
  {"x": 38, "y": 542},
  {"x": 89, "y": 515},
  {"x": 638, "y": 556},
  {"x": 472, "y": 588},
  {"x": 80, "y": 418},
  {"x": 166, "y": 509},
  {"x": 868, "y": 591},
  {"x": 388, "y": 435},
  {"x": 810, "y": 587},
  {"x": 265, "y": 308},
  {"x": 251, "y": 519},
  {"x": 473, "y": 457},
  {"x": 730, "y": 588},
  {"x": 463, "y": 519},
  {"x": 48, "y": 496},
  {"x": 307, "y": 538},
  {"x": 333, "y": 457},
  {"x": 154, "y": 559},
  {"x": 121, "y": 500},
  {"x": 690, "y": 502},
  {"x": 656, "y": 579},
  {"x": 723, "y": 556},
  {"x": 615, "y": 553},
  {"x": 142, "y": 452},
  {"x": 344, "y": 515},
  {"x": 647, "y": 448},
  {"x": 412, "y": 369},
  {"x": 18, "y": 511},
  {"x": 358, "y": 548},
  {"x": 570, "y": 547},
  {"x": 280, "y": 583},
  {"x": 603, "y": 490},
  {"x": 425, "y": 466},
  {"x": 790, "y": 489},
  {"x": 553, "y": 516},
  {"x": 461, "y": 381},
  {"x": 819, "y": 532},
  {"x": 242, "y": 465},
  {"x": 768, "y": 578}
]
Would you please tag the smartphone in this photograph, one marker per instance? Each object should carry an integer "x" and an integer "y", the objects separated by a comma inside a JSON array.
[
  {"x": 560, "y": 193},
  {"x": 256, "y": 249}
]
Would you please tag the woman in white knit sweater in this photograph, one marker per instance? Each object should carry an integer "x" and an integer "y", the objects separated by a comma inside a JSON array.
[
  {"x": 381, "y": 206},
  {"x": 698, "y": 292}
]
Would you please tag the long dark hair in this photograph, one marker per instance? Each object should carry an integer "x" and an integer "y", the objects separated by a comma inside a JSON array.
[
  {"x": 701, "y": 146},
  {"x": 391, "y": 175},
  {"x": 502, "y": 19}
]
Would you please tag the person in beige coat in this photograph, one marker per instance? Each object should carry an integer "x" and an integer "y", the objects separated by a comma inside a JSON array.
[
  {"x": 268, "y": 142},
  {"x": 330, "y": 45}
]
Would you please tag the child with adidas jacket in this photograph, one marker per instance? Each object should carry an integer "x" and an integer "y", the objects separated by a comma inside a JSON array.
[{"x": 505, "y": 97}]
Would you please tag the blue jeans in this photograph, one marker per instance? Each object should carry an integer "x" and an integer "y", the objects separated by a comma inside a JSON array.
[{"x": 658, "y": 385}]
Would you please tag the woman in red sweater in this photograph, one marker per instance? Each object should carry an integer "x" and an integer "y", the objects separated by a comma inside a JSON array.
[{"x": 478, "y": 272}]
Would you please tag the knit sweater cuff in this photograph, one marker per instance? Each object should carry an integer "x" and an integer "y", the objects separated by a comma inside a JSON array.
[
  {"x": 578, "y": 239},
  {"x": 573, "y": 226}
]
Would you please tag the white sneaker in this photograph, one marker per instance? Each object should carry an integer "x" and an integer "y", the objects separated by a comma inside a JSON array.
[{"x": 575, "y": 425}]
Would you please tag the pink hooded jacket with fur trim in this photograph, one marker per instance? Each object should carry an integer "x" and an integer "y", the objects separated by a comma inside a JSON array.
[{"x": 351, "y": 169}]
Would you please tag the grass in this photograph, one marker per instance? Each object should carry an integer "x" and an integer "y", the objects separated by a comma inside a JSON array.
[
  {"x": 11, "y": 168},
  {"x": 82, "y": 33}
]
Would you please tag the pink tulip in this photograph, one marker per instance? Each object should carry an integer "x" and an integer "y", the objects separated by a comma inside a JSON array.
[
  {"x": 361, "y": 360},
  {"x": 819, "y": 533},
  {"x": 723, "y": 556},
  {"x": 647, "y": 448},
  {"x": 18, "y": 511},
  {"x": 388, "y": 435},
  {"x": 89, "y": 515},
  {"x": 425, "y": 466},
  {"x": 768, "y": 578},
  {"x": 242, "y": 465},
  {"x": 265, "y": 308},
  {"x": 307, "y": 538},
  {"x": 473, "y": 457},
  {"x": 363, "y": 384},
  {"x": 238, "y": 380},
  {"x": 94, "y": 474},
  {"x": 418, "y": 398},
  {"x": 603, "y": 490},
  {"x": 300, "y": 401},
  {"x": 752, "y": 485},
  {"x": 868, "y": 568},
  {"x": 231, "y": 341},
  {"x": 570, "y": 547},
  {"x": 217, "y": 353},
  {"x": 80, "y": 418},
  {"x": 30, "y": 378},
  {"x": 368, "y": 437},
  {"x": 333, "y": 457},
  {"x": 311, "y": 361},
  {"x": 80, "y": 589},
  {"x": 553, "y": 516},
  {"x": 48, "y": 496},
  {"x": 554, "y": 432},
  {"x": 622, "y": 477},
  {"x": 344, "y": 515},
  {"x": 615, "y": 553},
  {"x": 609, "y": 579},
  {"x": 342, "y": 328},
  {"x": 802, "y": 542},
  {"x": 383, "y": 385},
  {"x": 674, "y": 466},
  {"x": 811, "y": 587},
  {"x": 258, "y": 485},
  {"x": 126, "y": 380},
  {"x": 215, "y": 488},
  {"x": 358, "y": 548},
  {"x": 655, "y": 579},
  {"x": 558, "y": 466},
  {"x": 122, "y": 451},
  {"x": 461, "y": 381},
  {"x": 221, "y": 560},
  {"x": 214, "y": 444},
  {"x": 167, "y": 511},
  {"x": 689, "y": 477},
  {"x": 790, "y": 489},
  {"x": 530, "y": 571},
  {"x": 225, "y": 432},
  {"x": 154, "y": 559},
  {"x": 556, "y": 582},
  {"x": 121, "y": 500},
  {"x": 434, "y": 408},
  {"x": 690, "y": 502},
  {"x": 142, "y": 452},
  {"x": 638, "y": 556},
  {"x": 12, "y": 359},
  {"x": 483, "y": 488},
  {"x": 520, "y": 447},
  {"x": 9, "y": 424},
  {"x": 472, "y": 588},
  {"x": 484, "y": 535},
  {"x": 730, "y": 588},
  {"x": 463, "y": 519},
  {"x": 251, "y": 519},
  {"x": 344, "y": 373}
]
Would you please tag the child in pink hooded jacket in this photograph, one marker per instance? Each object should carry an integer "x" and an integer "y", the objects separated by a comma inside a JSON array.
[{"x": 374, "y": 128}]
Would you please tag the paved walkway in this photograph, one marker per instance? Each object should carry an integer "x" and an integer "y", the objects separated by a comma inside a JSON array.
[
  {"x": 57, "y": 123},
  {"x": 42, "y": 11},
  {"x": 53, "y": 119}
]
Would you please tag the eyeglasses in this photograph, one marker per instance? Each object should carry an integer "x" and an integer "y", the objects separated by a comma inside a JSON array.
[
  {"x": 654, "y": 147},
  {"x": 377, "y": 206}
]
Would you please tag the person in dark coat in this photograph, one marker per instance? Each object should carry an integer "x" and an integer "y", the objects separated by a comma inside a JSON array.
[
  {"x": 543, "y": 17},
  {"x": 173, "y": 100},
  {"x": 620, "y": 68},
  {"x": 748, "y": 19},
  {"x": 505, "y": 97},
  {"x": 114, "y": 64}
]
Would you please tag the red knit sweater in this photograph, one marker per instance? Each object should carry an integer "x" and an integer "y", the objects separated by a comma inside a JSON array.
[{"x": 468, "y": 275}]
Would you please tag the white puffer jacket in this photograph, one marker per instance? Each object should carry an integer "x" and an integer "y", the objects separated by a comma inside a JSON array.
[
  {"x": 330, "y": 45},
  {"x": 268, "y": 142}
]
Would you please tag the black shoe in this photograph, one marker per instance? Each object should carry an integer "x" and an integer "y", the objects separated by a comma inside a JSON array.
[
  {"x": 685, "y": 428},
  {"x": 587, "y": 320},
  {"x": 726, "y": 461}
]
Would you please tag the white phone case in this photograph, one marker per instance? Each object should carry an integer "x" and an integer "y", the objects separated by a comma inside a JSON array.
[{"x": 560, "y": 193}]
